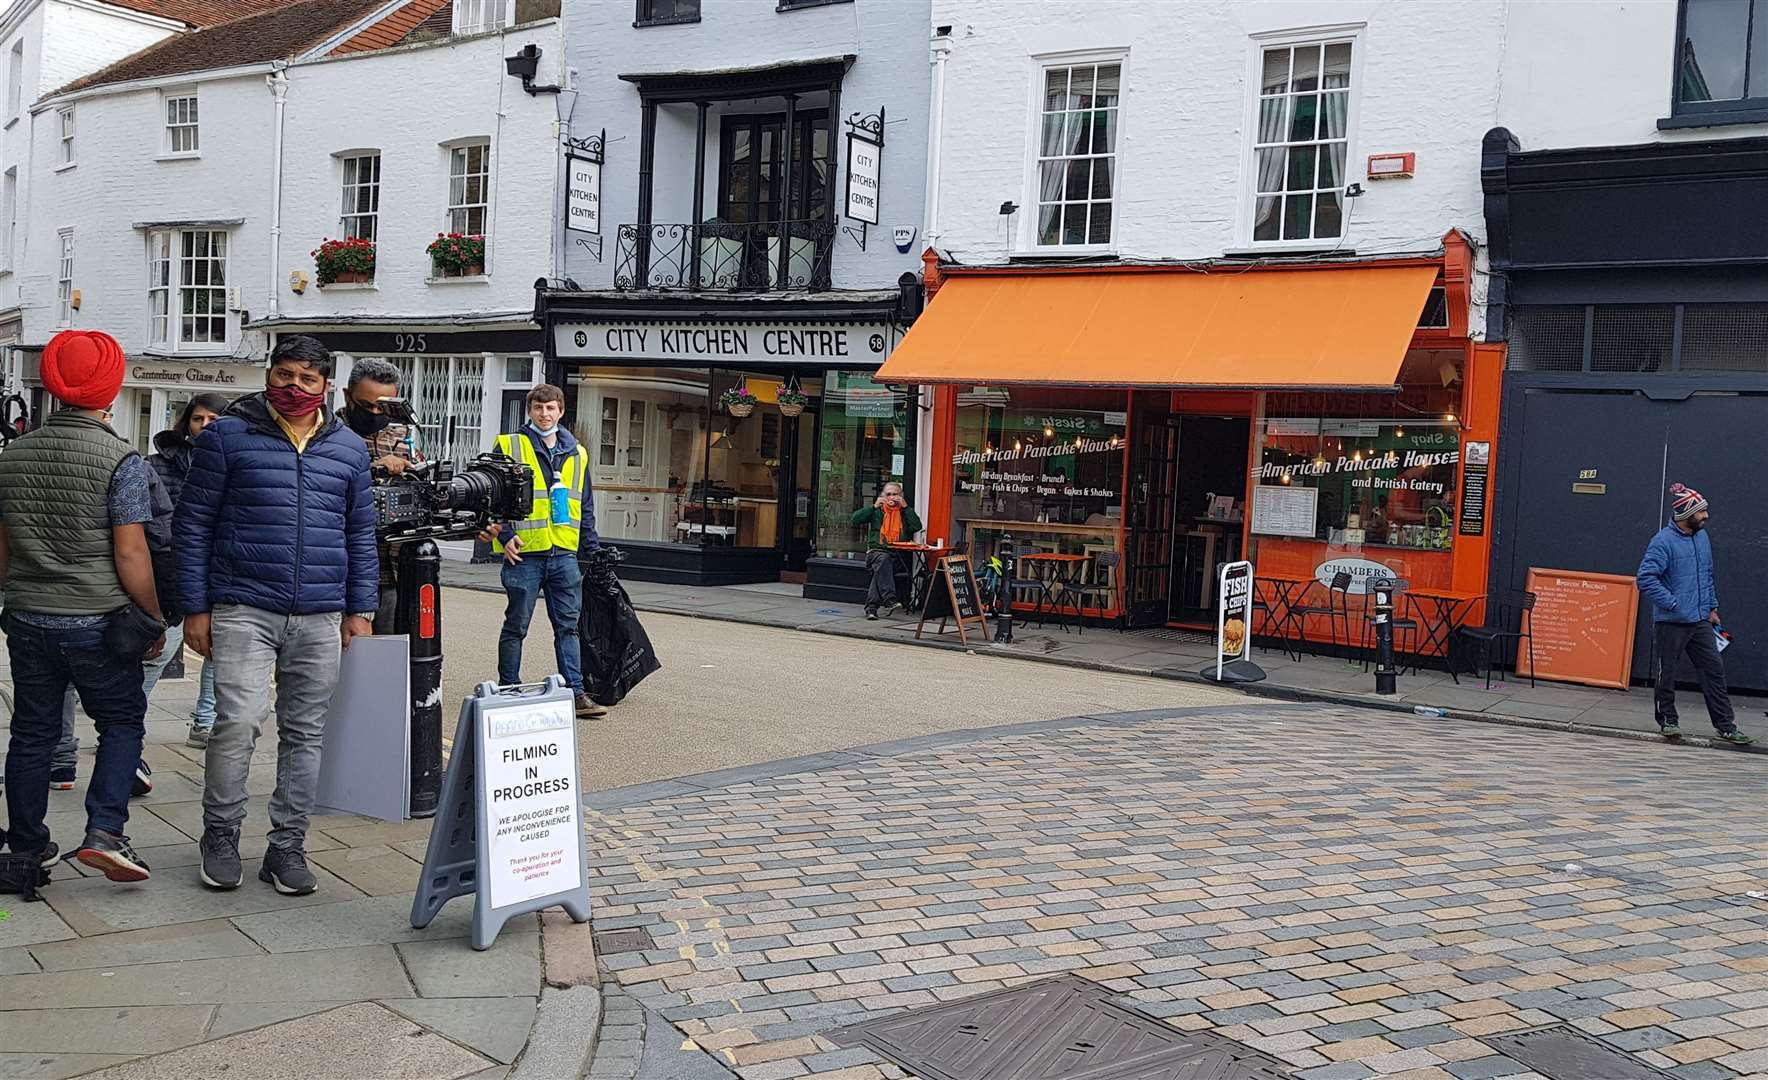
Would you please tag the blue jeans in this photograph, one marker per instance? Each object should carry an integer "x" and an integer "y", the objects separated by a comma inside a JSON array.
[
  {"x": 559, "y": 577},
  {"x": 67, "y": 751},
  {"x": 44, "y": 663}
]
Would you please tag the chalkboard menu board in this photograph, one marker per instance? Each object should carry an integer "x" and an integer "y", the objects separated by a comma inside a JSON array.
[
  {"x": 1583, "y": 627},
  {"x": 954, "y": 596}
]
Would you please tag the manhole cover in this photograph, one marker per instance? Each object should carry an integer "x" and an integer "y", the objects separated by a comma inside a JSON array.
[
  {"x": 1065, "y": 1028},
  {"x": 638, "y": 939},
  {"x": 1565, "y": 1053}
]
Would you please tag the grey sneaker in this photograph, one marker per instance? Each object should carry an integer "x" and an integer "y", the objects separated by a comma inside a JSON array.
[
  {"x": 220, "y": 852},
  {"x": 1671, "y": 730},
  {"x": 198, "y": 737},
  {"x": 286, "y": 868},
  {"x": 1736, "y": 737},
  {"x": 112, "y": 856}
]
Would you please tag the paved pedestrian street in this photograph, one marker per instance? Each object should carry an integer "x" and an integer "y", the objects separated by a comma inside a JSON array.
[{"x": 1353, "y": 893}]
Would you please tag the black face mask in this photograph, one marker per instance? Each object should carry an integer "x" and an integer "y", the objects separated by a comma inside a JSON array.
[{"x": 365, "y": 423}]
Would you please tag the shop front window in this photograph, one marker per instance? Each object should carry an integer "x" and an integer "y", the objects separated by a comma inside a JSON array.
[
  {"x": 868, "y": 440},
  {"x": 645, "y": 430},
  {"x": 1361, "y": 483},
  {"x": 1044, "y": 465},
  {"x": 759, "y": 484}
]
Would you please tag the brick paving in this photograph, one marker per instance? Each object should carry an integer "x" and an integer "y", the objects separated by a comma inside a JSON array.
[{"x": 1354, "y": 902}]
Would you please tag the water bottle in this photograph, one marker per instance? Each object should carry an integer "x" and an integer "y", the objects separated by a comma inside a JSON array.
[
  {"x": 1429, "y": 710},
  {"x": 560, "y": 497}
]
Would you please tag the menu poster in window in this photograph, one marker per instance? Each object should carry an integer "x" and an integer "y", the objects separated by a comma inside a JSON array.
[
  {"x": 1278, "y": 510},
  {"x": 1474, "y": 472}
]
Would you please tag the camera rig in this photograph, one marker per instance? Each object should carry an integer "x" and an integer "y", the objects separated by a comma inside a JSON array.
[{"x": 435, "y": 501}]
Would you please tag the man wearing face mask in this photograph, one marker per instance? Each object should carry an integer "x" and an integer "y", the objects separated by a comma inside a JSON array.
[
  {"x": 1676, "y": 575},
  {"x": 540, "y": 552},
  {"x": 390, "y": 449},
  {"x": 276, "y": 571}
]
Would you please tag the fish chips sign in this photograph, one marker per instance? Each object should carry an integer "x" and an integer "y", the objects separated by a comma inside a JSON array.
[{"x": 1234, "y": 626}]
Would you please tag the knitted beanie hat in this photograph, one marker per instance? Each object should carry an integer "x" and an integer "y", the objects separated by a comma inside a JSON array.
[{"x": 1685, "y": 502}]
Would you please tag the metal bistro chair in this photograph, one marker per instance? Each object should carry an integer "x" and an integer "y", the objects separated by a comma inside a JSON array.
[
  {"x": 1101, "y": 590},
  {"x": 1518, "y": 612},
  {"x": 1405, "y": 627},
  {"x": 1023, "y": 588},
  {"x": 1336, "y": 612}
]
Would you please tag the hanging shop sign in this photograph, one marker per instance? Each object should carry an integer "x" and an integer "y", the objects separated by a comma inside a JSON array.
[
  {"x": 865, "y": 170},
  {"x": 722, "y": 344},
  {"x": 583, "y": 190}
]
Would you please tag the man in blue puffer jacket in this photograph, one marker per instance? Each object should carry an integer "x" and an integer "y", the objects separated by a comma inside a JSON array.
[
  {"x": 276, "y": 571},
  {"x": 1676, "y": 575}
]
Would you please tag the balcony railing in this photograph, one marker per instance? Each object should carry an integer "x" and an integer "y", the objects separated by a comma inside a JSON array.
[{"x": 725, "y": 257}]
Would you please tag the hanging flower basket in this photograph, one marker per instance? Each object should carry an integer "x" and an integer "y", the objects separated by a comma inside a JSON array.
[
  {"x": 738, "y": 401},
  {"x": 341, "y": 262},
  {"x": 792, "y": 402}
]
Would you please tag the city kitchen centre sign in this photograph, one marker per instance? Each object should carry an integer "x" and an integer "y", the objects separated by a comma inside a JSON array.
[{"x": 715, "y": 344}]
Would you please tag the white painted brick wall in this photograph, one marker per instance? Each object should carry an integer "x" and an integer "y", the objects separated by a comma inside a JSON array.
[
  {"x": 405, "y": 103},
  {"x": 889, "y": 39},
  {"x": 61, "y": 43},
  {"x": 1427, "y": 83},
  {"x": 117, "y": 183},
  {"x": 1594, "y": 73}
]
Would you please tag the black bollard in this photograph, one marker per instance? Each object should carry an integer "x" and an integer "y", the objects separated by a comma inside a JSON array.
[
  {"x": 420, "y": 619},
  {"x": 1386, "y": 676},
  {"x": 1003, "y": 597}
]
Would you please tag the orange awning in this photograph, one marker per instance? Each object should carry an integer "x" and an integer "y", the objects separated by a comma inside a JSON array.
[{"x": 1340, "y": 326}]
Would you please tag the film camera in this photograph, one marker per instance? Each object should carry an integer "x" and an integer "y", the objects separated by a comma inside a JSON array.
[{"x": 439, "y": 501}]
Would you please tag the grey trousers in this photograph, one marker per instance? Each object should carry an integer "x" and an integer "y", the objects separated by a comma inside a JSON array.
[{"x": 303, "y": 651}]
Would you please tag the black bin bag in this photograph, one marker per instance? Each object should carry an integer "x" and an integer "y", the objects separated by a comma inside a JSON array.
[{"x": 617, "y": 653}]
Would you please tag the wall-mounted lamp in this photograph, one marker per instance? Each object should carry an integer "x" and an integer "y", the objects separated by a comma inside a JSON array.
[
  {"x": 1009, "y": 207},
  {"x": 524, "y": 66}
]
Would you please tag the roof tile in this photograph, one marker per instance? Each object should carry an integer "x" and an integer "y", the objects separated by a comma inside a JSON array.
[
  {"x": 393, "y": 29},
  {"x": 279, "y": 33}
]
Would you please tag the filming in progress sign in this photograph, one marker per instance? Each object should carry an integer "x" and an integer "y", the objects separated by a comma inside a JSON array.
[{"x": 528, "y": 761}]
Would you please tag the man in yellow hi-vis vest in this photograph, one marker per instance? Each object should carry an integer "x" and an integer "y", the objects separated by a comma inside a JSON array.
[{"x": 540, "y": 552}]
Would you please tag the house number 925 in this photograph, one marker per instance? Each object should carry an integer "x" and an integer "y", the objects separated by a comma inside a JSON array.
[{"x": 410, "y": 343}]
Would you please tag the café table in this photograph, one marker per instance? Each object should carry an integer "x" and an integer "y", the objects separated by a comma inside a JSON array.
[
  {"x": 927, "y": 572},
  {"x": 1439, "y": 612},
  {"x": 1057, "y": 581},
  {"x": 1283, "y": 596}
]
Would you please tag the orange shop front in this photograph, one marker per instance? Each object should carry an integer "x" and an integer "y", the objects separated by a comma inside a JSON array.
[{"x": 1149, "y": 424}]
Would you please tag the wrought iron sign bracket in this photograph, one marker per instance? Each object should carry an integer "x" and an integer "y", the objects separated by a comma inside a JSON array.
[
  {"x": 591, "y": 148},
  {"x": 869, "y": 127}
]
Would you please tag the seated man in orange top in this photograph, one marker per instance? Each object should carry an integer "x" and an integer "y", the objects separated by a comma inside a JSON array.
[{"x": 889, "y": 520}]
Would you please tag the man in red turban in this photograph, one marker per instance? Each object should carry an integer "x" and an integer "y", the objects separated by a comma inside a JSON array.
[
  {"x": 74, "y": 561},
  {"x": 83, "y": 368}
]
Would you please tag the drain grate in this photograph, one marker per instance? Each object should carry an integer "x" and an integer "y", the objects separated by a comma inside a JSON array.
[
  {"x": 1188, "y": 637},
  {"x": 637, "y": 939},
  {"x": 1065, "y": 1028},
  {"x": 1565, "y": 1053}
]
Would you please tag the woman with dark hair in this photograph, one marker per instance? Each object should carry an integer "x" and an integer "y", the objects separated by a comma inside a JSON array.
[{"x": 172, "y": 464}]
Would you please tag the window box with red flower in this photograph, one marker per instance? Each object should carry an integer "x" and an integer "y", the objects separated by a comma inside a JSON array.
[
  {"x": 457, "y": 255},
  {"x": 344, "y": 262}
]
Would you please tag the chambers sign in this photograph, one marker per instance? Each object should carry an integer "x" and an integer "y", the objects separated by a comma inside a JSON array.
[{"x": 717, "y": 344}]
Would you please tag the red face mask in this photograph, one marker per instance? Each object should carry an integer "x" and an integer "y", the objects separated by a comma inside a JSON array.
[{"x": 292, "y": 401}]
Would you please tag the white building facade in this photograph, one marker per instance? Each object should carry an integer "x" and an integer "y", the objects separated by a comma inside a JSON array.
[
  {"x": 183, "y": 216},
  {"x": 45, "y": 44},
  {"x": 760, "y": 173}
]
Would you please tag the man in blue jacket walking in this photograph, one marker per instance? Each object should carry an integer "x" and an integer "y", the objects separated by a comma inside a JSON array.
[
  {"x": 1676, "y": 575},
  {"x": 276, "y": 572}
]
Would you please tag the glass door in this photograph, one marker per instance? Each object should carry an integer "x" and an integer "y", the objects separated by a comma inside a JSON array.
[{"x": 1154, "y": 457}]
